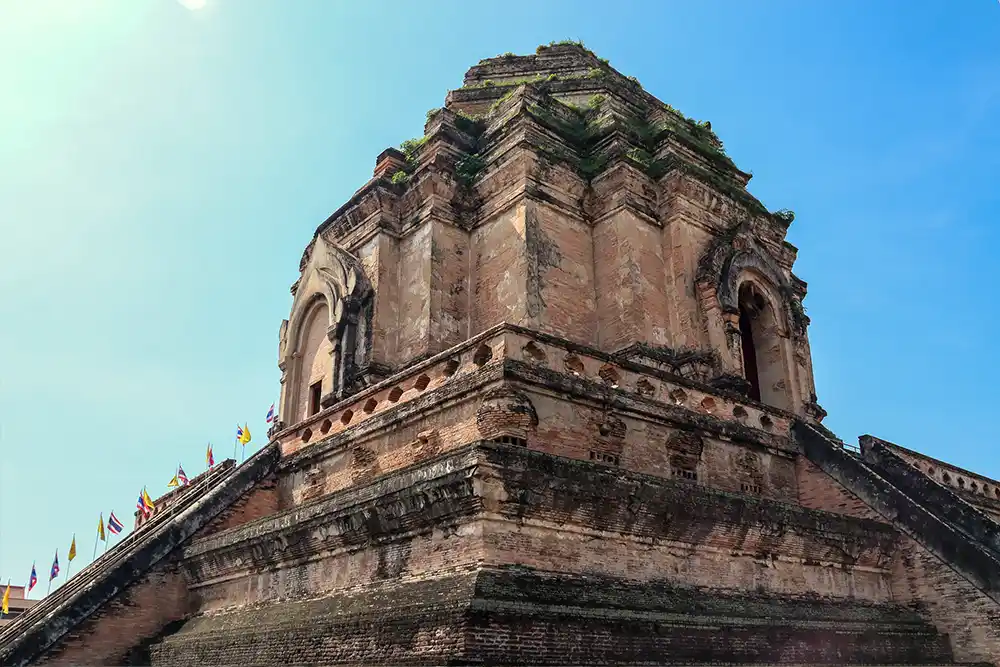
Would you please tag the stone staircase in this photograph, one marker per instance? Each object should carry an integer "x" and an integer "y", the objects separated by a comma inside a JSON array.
[
  {"x": 929, "y": 493},
  {"x": 59, "y": 613},
  {"x": 953, "y": 530}
]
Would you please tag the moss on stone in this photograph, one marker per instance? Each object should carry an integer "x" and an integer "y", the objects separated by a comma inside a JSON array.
[{"x": 468, "y": 167}]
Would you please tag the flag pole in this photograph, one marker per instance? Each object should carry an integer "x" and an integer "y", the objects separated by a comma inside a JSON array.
[
  {"x": 96, "y": 537},
  {"x": 235, "y": 442}
]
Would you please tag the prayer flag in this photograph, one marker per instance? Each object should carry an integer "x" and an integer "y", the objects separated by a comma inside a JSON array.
[
  {"x": 147, "y": 501},
  {"x": 114, "y": 525},
  {"x": 100, "y": 528},
  {"x": 33, "y": 579},
  {"x": 54, "y": 572},
  {"x": 173, "y": 482},
  {"x": 181, "y": 477},
  {"x": 270, "y": 414},
  {"x": 4, "y": 605},
  {"x": 72, "y": 549},
  {"x": 209, "y": 459},
  {"x": 245, "y": 438}
]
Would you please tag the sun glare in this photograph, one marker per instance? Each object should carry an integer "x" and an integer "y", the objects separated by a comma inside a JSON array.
[{"x": 193, "y": 4}]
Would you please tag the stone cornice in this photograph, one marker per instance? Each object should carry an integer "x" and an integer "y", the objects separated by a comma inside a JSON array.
[{"x": 349, "y": 515}]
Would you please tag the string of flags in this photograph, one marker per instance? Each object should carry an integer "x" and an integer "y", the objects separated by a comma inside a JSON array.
[{"x": 145, "y": 506}]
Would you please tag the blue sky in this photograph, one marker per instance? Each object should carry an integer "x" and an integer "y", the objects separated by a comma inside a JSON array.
[{"x": 163, "y": 168}]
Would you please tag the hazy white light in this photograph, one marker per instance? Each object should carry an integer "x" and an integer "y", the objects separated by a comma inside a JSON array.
[{"x": 193, "y": 4}]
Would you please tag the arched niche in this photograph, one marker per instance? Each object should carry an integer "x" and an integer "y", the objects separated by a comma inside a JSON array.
[
  {"x": 327, "y": 336},
  {"x": 748, "y": 299},
  {"x": 314, "y": 351},
  {"x": 763, "y": 345}
]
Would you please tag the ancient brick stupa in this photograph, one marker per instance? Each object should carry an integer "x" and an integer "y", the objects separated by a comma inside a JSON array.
[{"x": 547, "y": 399}]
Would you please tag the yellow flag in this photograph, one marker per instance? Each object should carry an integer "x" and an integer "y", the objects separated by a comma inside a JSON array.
[
  {"x": 100, "y": 528},
  {"x": 172, "y": 483},
  {"x": 245, "y": 438},
  {"x": 147, "y": 501},
  {"x": 72, "y": 549},
  {"x": 5, "y": 608}
]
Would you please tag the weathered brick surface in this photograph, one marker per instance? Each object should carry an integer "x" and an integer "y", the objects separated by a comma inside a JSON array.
[
  {"x": 631, "y": 297},
  {"x": 558, "y": 514},
  {"x": 503, "y": 504},
  {"x": 971, "y": 619},
  {"x": 138, "y": 613},
  {"x": 418, "y": 623},
  {"x": 562, "y": 260},
  {"x": 523, "y": 616},
  {"x": 413, "y": 307},
  {"x": 261, "y": 501},
  {"x": 818, "y": 491}
]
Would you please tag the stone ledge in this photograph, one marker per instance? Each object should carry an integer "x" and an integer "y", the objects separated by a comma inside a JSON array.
[
  {"x": 392, "y": 506},
  {"x": 455, "y": 488},
  {"x": 458, "y": 371}
]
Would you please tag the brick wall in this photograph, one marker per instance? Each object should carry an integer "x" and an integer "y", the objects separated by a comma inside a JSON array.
[
  {"x": 572, "y": 517},
  {"x": 261, "y": 501},
  {"x": 817, "y": 490},
  {"x": 139, "y": 613},
  {"x": 561, "y": 293},
  {"x": 418, "y": 622},
  {"x": 971, "y": 619},
  {"x": 574, "y": 430},
  {"x": 631, "y": 295},
  {"x": 524, "y": 616},
  {"x": 413, "y": 307}
]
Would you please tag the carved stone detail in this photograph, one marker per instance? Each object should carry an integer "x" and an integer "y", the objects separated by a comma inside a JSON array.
[{"x": 612, "y": 427}]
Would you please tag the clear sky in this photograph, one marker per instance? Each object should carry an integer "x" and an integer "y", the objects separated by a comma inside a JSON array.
[{"x": 162, "y": 168}]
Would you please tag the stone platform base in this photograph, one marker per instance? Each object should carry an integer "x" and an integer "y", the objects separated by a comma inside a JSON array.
[{"x": 516, "y": 616}]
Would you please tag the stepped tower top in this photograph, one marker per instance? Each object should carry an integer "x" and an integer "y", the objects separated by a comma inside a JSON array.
[{"x": 553, "y": 193}]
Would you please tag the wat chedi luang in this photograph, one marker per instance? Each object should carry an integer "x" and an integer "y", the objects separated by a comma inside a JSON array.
[{"x": 547, "y": 399}]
